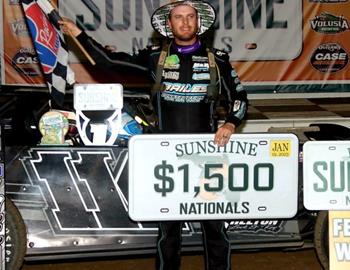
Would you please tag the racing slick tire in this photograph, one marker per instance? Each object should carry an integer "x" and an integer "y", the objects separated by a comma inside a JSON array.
[
  {"x": 321, "y": 241},
  {"x": 16, "y": 237}
]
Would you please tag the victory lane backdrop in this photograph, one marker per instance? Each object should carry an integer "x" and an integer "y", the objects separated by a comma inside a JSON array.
[
  {"x": 188, "y": 177},
  {"x": 275, "y": 46}
]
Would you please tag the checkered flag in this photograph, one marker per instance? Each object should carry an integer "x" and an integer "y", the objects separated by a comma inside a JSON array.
[{"x": 50, "y": 46}]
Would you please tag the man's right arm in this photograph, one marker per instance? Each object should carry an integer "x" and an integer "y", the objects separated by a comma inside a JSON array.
[{"x": 104, "y": 57}]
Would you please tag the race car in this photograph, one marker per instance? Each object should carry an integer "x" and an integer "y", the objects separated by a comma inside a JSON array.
[{"x": 49, "y": 216}]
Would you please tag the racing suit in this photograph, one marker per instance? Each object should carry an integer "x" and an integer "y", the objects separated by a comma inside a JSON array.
[{"x": 182, "y": 107}]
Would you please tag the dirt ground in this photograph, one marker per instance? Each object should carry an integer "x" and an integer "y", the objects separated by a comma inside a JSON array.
[{"x": 271, "y": 260}]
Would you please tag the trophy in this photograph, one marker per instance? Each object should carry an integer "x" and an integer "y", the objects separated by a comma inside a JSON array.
[{"x": 53, "y": 125}]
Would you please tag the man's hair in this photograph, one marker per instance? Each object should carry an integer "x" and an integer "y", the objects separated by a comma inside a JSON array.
[{"x": 182, "y": 4}]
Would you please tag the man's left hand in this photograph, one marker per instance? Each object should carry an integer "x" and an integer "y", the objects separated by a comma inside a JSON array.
[{"x": 222, "y": 136}]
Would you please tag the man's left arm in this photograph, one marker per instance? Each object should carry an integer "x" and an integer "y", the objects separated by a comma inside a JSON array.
[{"x": 235, "y": 98}]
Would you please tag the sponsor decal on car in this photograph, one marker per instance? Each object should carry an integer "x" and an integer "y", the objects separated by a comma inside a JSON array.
[
  {"x": 82, "y": 200},
  {"x": 255, "y": 226}
]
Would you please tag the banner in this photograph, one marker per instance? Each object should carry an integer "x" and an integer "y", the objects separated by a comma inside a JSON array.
[
  {"x": 19, "y": 62},
  {"x": 275, "y": 46}
]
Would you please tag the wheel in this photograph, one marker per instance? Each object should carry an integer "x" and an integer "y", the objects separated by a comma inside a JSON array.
[
  {"x": 321, "y": 239},
  {"x": 16, "y": 237}
]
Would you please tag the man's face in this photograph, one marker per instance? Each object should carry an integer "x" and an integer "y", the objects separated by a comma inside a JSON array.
[{"x": 183, "y": 22}]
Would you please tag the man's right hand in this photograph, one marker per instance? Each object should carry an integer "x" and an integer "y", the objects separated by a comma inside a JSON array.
[{"x": 69, "y": 27}]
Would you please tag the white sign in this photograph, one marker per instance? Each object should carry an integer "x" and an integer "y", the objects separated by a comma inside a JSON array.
[
  {"x": 98, "y": 97},
  {"x": 339, "y": 240},
  {"x": 326, "y": 169},
  {"x": 247, "y": 30},
  {"x": 188, "y": 177}
]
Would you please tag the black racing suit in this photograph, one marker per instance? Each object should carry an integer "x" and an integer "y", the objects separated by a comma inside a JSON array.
[{"x": 182, "y": 107}]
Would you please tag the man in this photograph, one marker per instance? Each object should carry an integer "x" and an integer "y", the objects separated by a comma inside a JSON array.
[{"x": 189, "y": 81}]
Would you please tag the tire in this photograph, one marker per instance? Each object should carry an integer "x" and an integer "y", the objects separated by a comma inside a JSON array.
[
  {"x": 321, "y": 241},
  {"x": 16, "y": 237}
]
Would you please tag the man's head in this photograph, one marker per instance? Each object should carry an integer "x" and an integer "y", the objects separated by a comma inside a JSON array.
[
  {"x": 170, "y": 20},
  {"x": 183, "y": 22}
]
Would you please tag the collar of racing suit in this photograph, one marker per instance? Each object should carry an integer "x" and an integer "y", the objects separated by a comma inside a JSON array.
[{"x": 187, "y": 49}]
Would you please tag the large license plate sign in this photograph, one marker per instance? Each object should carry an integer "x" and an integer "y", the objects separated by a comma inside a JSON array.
[
  {"x": 188, "y": 177},
  {"x": 326, "y": 169}
]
